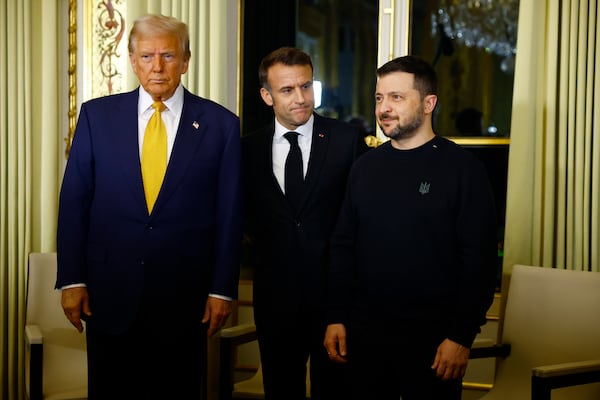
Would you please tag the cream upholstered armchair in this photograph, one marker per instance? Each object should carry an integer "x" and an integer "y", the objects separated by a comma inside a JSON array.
[
  {"x": 550, "y": 336},
  {"x": 55, "y": 364}
]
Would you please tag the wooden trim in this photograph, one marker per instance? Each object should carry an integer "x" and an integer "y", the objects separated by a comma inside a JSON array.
[
  {"x": 479, "y": 140},
  {"x": 483, "y": 387}
]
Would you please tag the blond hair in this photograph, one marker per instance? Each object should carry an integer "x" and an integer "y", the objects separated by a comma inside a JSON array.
[{"x": 160, "y": 25}]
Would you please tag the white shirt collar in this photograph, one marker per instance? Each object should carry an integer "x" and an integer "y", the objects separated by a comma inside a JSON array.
[
  {"x": 173, "y": 103},
  {"x": 304, "y": 131}
]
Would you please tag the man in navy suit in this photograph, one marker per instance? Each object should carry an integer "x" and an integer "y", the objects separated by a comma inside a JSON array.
[
  {"x": 151, "y": 281},
  {"x": 288, "y": 235}
]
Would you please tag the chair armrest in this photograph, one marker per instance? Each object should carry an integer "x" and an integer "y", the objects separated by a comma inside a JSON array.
[
  {"x": 34, "y": 361},
  {"x": 548, "y": 377},
  {"x": 33, "y": 334},
  {"x": 550, "y": 371},
  {"x": 482, "y": 342},
  {"x": 484, "y": 350},
  {"x": 238, "y": 334},
  {"x": 230, "y": 338}
]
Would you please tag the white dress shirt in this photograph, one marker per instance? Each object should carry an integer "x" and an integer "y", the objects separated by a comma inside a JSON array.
[
  {"x": 281, "y": 147},
  {"x": 170, "y": 116}
]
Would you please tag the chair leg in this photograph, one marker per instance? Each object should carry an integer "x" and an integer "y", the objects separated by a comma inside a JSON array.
[
  {"x": 36, "y": 355},
  {"x": 539, "y": 390},
  {"x": 226, "y": 370}
]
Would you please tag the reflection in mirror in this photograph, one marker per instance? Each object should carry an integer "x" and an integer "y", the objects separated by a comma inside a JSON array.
[
  {"x": 340, "y": 37},
  {"x": 472, "y": 46},
  {"x": 342, "y": 42}
]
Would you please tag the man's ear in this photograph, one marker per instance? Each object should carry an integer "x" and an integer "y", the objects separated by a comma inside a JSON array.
[
  {"x": 132, "y": 61},
  {"x": 266, "y": 96},
  {"x": 429, "y": 103},
  {"x": 185, "y": 66}
]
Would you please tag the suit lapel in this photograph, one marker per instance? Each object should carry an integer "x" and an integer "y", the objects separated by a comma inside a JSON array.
[
  {"x": 190, "y": 133},
  {"x": 318, "y": 151},
  {"x": 261, "y": 159},
  {"x": 267, "y": 159},
  {"x": 127, "y": 146}
]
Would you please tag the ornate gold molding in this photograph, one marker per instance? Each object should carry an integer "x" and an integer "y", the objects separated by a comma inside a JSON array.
[
  {"x": 103, "y": 26},
  {"x": 72, "y": 75},
  {"x": 107, "y": 30}
]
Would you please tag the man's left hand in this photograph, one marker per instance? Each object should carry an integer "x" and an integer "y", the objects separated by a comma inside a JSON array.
[
  {"x": 451, "y": 360},
  {"x": 217, "y": 311}
]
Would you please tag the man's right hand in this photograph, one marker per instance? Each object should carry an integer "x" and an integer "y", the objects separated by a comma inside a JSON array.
[
  {"x": 335, "y": 342},
  {"x": 76, "y": 301}
]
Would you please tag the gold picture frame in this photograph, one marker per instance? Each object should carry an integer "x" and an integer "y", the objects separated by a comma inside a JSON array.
[
  {"x": 72, "y": 71},
  {"x": 102, "y": 50}
]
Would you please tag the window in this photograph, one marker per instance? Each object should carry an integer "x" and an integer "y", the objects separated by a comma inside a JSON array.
[
  {"x": 475, "y": 91},
  {"x": 341, "y": 38},
  {"x": 475, "y": 81}
]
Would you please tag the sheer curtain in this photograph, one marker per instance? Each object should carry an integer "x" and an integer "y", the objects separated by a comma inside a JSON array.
[
  {"x": 29, "y": 142},
  {"x": 553, "y": 204},
  {"x": 33, "y": 125}
]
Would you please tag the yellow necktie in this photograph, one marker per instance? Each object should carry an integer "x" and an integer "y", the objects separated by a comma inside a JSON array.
[{"x": 154, "y": 155}]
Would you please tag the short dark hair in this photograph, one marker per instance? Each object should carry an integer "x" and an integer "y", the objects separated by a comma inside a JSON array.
[
  {"x": 425, "y": 77},
  {"x": 285, "y": 56}
]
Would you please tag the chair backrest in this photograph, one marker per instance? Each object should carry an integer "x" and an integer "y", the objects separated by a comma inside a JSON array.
[
  {"x": 64, "y": 356},
  {"x": 552, "y": 316}
]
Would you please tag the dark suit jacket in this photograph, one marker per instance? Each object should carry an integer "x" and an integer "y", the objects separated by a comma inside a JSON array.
[
  {"x": 190, "y": 244},
  {"x": 288, "y": 251}
]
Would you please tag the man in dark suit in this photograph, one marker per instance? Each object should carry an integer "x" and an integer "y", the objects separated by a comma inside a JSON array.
[
  {"x": 151, "y": 273},
  {"x": 288, "y": 226}
]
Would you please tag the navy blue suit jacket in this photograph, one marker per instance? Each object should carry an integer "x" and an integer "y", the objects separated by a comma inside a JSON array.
[{"x": 189, "y": 245}]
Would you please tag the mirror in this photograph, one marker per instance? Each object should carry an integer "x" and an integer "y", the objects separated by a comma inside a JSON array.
[
  {"x": 472, "y": 46},
  {"x": 341, "y": 40},
  {"x": 343, "y": 44}
]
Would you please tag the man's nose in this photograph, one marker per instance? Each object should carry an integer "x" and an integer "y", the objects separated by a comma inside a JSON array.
[
  {"x": 383, "y": 106},
  {"x": 157, "y": 63},
  {"x": 299, "y": 95}
]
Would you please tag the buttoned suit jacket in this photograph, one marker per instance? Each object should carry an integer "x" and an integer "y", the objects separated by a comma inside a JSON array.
[
  {"x": 287, "y": 249},
  {"x": 187, "y": 247}
]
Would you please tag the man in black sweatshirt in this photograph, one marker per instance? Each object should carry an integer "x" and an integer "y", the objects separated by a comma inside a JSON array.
[{"x": 414, "y": 252}]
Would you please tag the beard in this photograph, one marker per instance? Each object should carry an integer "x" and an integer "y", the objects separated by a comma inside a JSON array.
[{"x": 408, "y": 129}]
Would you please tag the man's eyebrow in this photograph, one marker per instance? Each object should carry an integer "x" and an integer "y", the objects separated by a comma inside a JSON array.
[{"x": 394, "y": 92}]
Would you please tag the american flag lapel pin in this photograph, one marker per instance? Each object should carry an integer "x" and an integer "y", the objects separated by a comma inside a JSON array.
[
  {"x": 195, "y": 124},
  {"x": 321, "y": 135}
]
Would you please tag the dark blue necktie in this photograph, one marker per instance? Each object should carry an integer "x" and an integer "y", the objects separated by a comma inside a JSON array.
[{"x": 294, "y": 178}]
